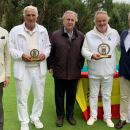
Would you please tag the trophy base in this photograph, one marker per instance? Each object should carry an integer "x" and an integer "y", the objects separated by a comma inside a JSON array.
[
  {"x": 34, "y": 59},
  {"x": 105, "y": 56}
]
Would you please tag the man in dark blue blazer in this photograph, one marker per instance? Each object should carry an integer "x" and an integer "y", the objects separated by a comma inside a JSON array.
[{"x": 124, "y": 76}]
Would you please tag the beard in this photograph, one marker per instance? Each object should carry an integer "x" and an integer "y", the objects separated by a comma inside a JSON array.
[{"x": 102, "y": 28}]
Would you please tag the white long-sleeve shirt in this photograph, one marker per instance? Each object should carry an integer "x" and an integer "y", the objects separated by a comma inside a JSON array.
[
  {"x": 18, "y": 46},
  {"x": 104, "y": 67}
]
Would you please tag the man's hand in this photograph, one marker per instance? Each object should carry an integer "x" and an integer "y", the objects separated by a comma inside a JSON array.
[
  {"x": 96, "y": 56},
  {"x": 26, "y": 58},
  {"x": 6, "y": 82},
  {"x": 51, "y": 71},
  {"x": 41, "y": 57}
]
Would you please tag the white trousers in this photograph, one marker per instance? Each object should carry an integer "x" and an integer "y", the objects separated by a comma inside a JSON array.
[
  {"x": 106, "y": 88},
  {"x": 31, "y": 77}
]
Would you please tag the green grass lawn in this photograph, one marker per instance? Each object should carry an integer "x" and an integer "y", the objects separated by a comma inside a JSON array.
[{"x": 49, "y": 115}]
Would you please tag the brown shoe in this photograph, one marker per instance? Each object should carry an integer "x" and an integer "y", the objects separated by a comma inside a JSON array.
[
  {"x": 59, "y": 122},
  {"x": 120, "y": 124},
  {"x": 72, "y": 121}
]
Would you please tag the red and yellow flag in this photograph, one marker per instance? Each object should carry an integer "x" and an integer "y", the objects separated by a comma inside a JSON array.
[{"x": 82, "y": 97}]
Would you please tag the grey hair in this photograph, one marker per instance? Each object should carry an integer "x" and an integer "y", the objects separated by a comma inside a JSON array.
[
  {"x": 128, "y": 16},
  {"x": 30, "y": 7},
  {"x": 71, "y": 12},
  {"x": 99, "y": 12}
]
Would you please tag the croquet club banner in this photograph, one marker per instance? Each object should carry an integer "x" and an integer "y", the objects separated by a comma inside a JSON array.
[{"x": 82, "y": 97}]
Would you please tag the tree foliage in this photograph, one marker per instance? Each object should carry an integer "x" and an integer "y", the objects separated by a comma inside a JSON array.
[
  {"x": 51, "y": 11},
  {"x": 2, "y": 7},
  {"x": 119, "y": 16}
]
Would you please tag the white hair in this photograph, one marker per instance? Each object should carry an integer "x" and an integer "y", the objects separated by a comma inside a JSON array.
[
  {"x": 99, "y": 12},
  {"x": 30, "y": 7},
  {"x": 128, "y": 16},
  {"x": 71, "y": 12}
]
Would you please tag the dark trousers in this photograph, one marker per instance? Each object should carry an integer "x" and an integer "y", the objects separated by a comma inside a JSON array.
[
  {"x": 70, "y": 87},
  {"x": 1, "y": 106}
]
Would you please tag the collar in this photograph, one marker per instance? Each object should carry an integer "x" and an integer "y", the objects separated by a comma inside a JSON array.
[
  {"x": 75, "y": 33},
  {"x": 67, "y": 32},
  {"x": 40, "y": 29},
  {"x": 109, "y": 30},
  {"x": 28, "y": 31},
  {"x": 129, "y": 31}
]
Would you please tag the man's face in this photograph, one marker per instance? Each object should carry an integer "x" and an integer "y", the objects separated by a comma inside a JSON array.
[
  {"x": 30, "y": 18},
  {"x": 69, "y": 21},
  {"x": 101, "y": 22}
]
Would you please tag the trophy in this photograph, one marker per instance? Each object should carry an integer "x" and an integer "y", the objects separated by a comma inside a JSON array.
[
  {"x": 104, "y": 49},
  {"x": 34, "y": 54}
]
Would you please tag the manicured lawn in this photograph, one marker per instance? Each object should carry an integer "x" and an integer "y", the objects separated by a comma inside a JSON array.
[{"x": 49, "y": 115}]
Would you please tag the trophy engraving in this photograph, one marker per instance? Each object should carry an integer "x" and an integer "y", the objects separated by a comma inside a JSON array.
[
  {"x": 103, "y": 51},
  {"x": 34, "y": 54}
]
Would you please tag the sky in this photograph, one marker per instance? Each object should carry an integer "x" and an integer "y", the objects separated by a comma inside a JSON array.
[{"x": 125, "y": 1}]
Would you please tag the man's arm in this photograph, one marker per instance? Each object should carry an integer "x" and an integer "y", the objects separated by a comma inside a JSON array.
[
  {"x": 7, "y": 59},
  {"x": 52, "y": 54},
  {"x": 16, "y": 54},
  {"x": 47, "y": 49},
  {"x": 118, "y": 43},
  {"x": 86, "y": 51}
]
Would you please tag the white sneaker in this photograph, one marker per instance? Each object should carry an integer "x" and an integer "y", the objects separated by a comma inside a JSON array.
[
  {"x": 91, "y": 120},
  {"x": 24, "y": 127},
  {"x": 109, "y": 122},
  {"x": 37, "y": 124}
]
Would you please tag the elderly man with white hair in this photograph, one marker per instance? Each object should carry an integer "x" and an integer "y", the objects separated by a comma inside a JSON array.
[
  {"x": 29, "y": 68},
  {"x": 101, "y": 42},
  {"x": 65, "y": 63}
]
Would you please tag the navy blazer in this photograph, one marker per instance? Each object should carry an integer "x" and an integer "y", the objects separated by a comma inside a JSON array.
[{"x": 124, "y": 63}]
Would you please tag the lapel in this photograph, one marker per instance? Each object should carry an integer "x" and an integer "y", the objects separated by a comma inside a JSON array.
[{"x": 123, "y": 39}]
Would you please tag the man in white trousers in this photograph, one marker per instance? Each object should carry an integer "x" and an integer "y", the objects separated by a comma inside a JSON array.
[
  {"x": 102, "y": 40},
  {"x": 26, "y": 41}
]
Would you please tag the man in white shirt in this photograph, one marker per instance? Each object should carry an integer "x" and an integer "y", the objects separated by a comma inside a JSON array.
[
  {"x": 101, "y": 70},
  {"x": 24, "y": 39}
]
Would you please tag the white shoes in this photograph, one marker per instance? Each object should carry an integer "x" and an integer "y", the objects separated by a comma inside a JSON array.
[
  {"x": 91, "y": 120},
  {"x": 109, "y": 122},
  {"x": 37, "y": 124},
  {"x": 24, "y": 127}
]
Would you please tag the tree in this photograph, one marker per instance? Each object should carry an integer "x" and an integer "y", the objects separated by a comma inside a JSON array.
[
  {"x": 2, "y": 9},
  {"x": 42, "y": 12},
  {"x": 51, "y": 12},
  {"x": 119, "y": 16},
  {"x": 85, "y": 9},
  {"x": 14, "y": 12}
]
